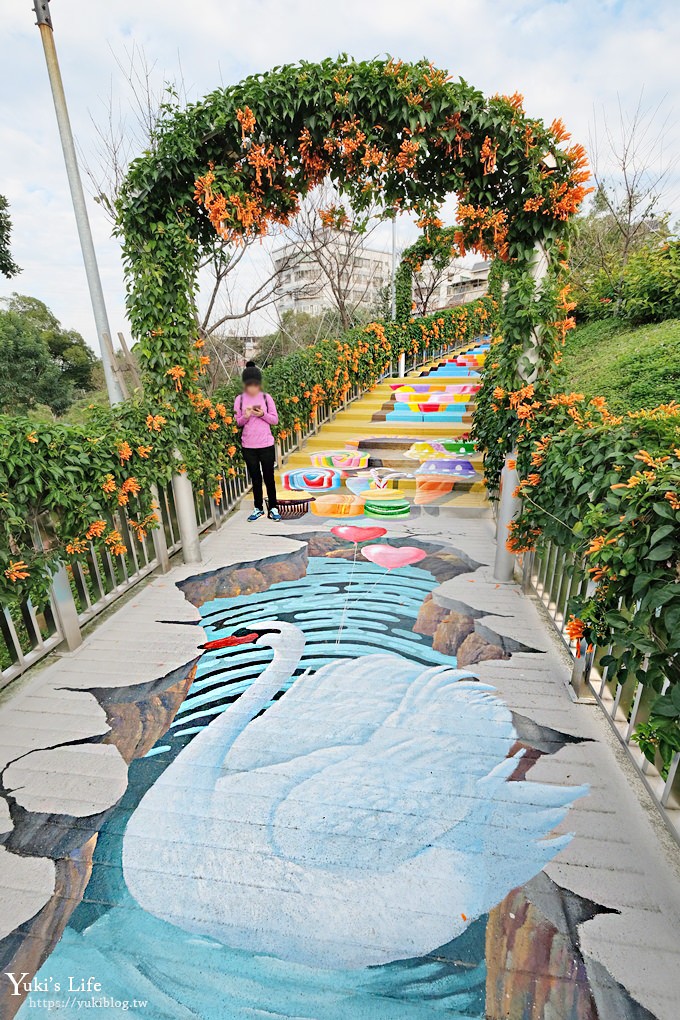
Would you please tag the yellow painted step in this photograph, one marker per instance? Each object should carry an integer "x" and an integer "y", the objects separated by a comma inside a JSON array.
[
  {"x": 435, "y": 380},
  {"x": 420, "y": 430},
  {"x": 303, "y": 458}
]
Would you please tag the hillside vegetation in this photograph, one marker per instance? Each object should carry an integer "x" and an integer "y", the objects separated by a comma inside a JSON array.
[{"x": 633, "y": 367}]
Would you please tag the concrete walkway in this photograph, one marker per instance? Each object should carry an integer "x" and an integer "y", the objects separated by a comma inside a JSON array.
[{"x": 380, "y": 841}]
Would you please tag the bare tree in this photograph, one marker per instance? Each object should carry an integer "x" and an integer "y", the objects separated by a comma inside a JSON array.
[
  {"x": 225, "y": 300},
  {"x": 130, "y": 125},
  {"x": 631, "y": 168},
  {"x": 632, "y": 174},
  {"x": 326, "y": 253},
  {"x": 426, "y": 286}
]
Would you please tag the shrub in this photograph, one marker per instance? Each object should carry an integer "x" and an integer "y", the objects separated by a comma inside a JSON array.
[{"x": 651, "y": 284}]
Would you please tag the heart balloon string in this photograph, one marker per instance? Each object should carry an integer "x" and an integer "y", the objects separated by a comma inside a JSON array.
[
  {"x": 355, "y": 534},
  {"x": 391, "y": 557},
  {"x": 343, "y": 615},
  {"x": 365, "y": 594}
]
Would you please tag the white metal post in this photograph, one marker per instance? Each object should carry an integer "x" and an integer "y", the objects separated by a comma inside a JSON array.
[
  {"x": 94, "y": 282},
  {"x": 65, "y": 609},
  {"x": 186, "y": 518},
  {"x": 158, "y": 534},
  {"x": 393, "y": 281},
  {"x": 509, "y": 506},
  {"x": 401, "y": 371}
]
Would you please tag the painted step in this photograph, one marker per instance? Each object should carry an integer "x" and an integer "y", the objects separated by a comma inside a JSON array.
[
  {"x": 419, "y": 378},
  {"x": 337, "y": 430}
]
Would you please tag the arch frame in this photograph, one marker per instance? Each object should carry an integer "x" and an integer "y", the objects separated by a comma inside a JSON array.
[{"x": 237, "y": 164}]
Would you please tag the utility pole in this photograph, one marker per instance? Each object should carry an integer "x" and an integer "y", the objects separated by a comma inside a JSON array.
[{"x": 94, "y": 282}]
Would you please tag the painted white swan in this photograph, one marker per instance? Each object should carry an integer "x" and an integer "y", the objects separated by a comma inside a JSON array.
[{"x": 365, "y": 817}]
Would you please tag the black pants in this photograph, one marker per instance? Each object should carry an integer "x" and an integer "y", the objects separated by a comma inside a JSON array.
[{"x": 260, "y": 463}]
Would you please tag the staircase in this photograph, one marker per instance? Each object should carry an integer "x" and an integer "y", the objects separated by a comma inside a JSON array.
[{"x": 399, "y": 448}]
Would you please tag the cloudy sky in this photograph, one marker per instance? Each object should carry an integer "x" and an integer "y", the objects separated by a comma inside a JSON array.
[{"x": 568, "y": 58}]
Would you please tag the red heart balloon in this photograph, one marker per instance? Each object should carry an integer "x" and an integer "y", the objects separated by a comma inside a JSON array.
[
  {"x": 392, "y": 556},
  {"x": 356, "y": 534}
]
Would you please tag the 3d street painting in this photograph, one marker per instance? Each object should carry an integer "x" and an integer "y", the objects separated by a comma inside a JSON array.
[
  {"x": 385, "y": 476},
  {"x": 388, "y": 475},
  {"x": 335, "y": 820}
]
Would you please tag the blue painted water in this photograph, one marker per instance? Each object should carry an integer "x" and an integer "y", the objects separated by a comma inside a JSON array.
[{"x": 133, "y": 955}]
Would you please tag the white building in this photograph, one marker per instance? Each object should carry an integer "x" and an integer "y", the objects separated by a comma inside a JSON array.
[
  {"x": 311, "y": 279},
  {"x": 455, "y": 285}
]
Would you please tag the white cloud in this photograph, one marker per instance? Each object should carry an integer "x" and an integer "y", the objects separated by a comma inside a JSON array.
[{"x": 566, "y": 57}]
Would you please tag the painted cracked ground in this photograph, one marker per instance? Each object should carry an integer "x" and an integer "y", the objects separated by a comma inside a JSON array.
[{"x": 339, "y": 821}]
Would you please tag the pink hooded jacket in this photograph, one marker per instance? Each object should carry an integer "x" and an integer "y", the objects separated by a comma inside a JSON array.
[{"x": 257, "y": 432}]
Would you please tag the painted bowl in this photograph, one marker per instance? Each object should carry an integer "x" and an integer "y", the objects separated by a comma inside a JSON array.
[
  {"x": 337, "y": 505},
  {"x": 432, "y": 488},
  {"x": 311, "y": 479},
  {"x": 444, "y": 466},
  {"x": 344, "y": 460}
]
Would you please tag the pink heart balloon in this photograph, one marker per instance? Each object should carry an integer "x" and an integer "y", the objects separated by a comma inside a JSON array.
[
  {"x": 354, "y": 534},
  {"x": 391, "y": 556}
]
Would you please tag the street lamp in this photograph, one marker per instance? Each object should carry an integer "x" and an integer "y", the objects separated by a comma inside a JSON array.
[{"x": 94, "y": 282}]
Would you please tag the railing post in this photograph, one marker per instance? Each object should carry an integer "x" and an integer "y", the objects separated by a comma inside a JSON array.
[
  {"x": 186, "y": 518},
  {"x": 509, "y": 506},
  {"x": 670, "y": 779},
  {"x": 65, "y": 609},
  {"x": 401, "y": 370},
  {"x": 580, "y": 673},
  {"x": 158, "y": 535}
]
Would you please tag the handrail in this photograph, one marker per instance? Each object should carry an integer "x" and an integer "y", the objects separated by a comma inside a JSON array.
[{"x": 555, "y": 576}]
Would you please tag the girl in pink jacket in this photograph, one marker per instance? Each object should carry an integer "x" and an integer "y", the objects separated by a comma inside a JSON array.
[{"x": 255, "y": 413}]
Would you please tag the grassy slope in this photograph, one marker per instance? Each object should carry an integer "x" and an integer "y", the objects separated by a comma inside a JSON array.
[{"x": 633, "y": 367}]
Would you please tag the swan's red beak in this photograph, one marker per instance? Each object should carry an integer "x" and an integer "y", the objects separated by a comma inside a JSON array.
[{"x": 228, "y": 642}]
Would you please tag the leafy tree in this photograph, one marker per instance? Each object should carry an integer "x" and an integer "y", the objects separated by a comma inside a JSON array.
[
  {"x": 74, "y": 359},
  {"x": 40, "y": 362},
  {"x": 651, "y": 285},
  {"x": 8, "y": 266},
  {"x": 28, "y": 374},
  {"x": 605, "y": 240}
]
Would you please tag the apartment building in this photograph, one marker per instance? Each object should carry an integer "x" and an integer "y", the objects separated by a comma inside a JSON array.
[
  {"x": 360, "y": 272},
  {"x": 456, "y": 285}
]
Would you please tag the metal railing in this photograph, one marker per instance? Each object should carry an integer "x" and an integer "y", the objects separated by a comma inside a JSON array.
[
  {"x": 556, "y": 577},
  {"x": 97, "y": 577},
  {"x": 94, "y": 580}
]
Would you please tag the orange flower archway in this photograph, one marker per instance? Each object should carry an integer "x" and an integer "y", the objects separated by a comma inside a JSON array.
[{"x": 237, "y": 164}]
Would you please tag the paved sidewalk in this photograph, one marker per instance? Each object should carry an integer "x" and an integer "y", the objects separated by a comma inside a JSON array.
[{"x": 376, "y": 843}]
